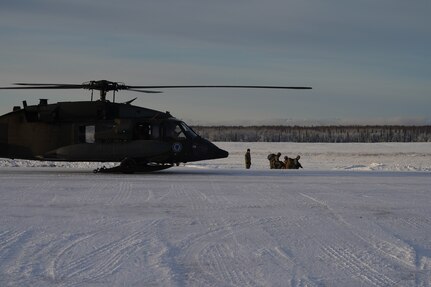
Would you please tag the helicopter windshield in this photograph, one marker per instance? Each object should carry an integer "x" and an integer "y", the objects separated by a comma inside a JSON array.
[
  {"x": 179, "y": 131},
  {"x": 188, "y": 131}
]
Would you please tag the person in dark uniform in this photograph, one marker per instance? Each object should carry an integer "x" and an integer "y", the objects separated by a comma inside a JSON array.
[
  {"x": 247, "y": 159},
  {"x": 271, "y": 158},
  {"x": 287, "y": 162},
  {"x": 297, "y": 165},
  {"x": 278, "y": 164},
  {"x": 292, "y": 163}
]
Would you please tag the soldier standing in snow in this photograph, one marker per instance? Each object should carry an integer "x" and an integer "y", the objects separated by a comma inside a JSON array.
[{"x": 247, "y": 159}]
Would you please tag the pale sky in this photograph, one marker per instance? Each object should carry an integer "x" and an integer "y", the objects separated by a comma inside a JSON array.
[{"x": 368, "y": 61}]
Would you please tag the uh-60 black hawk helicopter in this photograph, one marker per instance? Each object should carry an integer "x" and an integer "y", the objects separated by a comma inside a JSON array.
[{"x": 141, "y": 139}]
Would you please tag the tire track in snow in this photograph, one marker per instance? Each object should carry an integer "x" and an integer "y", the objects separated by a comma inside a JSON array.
[
  {"x": 358, "y": 267},
  {"x": 353, "y": 263},
  {"x": 217, "y": 265},
  {"x": 195, "y": 248},
  {"x": 289, "y": 264},
  {"x": 24, "y": 258},
  {"x": 276, "y": 254},
  {"x": 219, "y": 259},
  {"x": 400, "y": 252},
  {"x": 97, "y": 264},
  {"x": 92, "y": 193},
  {"x": 416, "y": 223},
  {"x": 74, "y": 240},
  {"x": 121, "y": 195},
  {"x": 191, "y": 195},
  {"x": 53, "y": 265},
  {"x": 331, "y": 211},
  {"x": 232, "y": 266},
  {"x": 32, "y": 256},
  {"x": 150, "y": 195},
  {"x": 10, "y": 249},
  {"x": 9, "y": 237}
]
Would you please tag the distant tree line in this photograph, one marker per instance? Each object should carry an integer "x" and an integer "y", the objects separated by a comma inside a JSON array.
[{"x": 316, "y": 134}]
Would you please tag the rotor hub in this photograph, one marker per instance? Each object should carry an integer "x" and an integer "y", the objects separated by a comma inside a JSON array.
[{"x": 104, "y": 85}]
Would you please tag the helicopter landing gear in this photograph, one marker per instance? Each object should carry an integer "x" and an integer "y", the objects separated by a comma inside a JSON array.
[{"x": 130, "y": 165}]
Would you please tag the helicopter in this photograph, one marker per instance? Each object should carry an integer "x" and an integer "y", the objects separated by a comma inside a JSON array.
[{"x": 139, "y": 138}]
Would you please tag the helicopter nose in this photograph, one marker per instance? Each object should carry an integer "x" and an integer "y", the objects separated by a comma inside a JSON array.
[
  {"x": 204, "y": 149},
  {"x": 216, "y": 152},
  {"x": 222, "y": 153}
]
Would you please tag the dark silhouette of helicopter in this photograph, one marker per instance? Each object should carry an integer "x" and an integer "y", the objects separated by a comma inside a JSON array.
[{"x": 141, "y": 139}]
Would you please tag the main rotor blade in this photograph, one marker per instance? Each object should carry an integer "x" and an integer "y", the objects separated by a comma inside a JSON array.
[
  {"x": 144, "y": 91},
  {"x": 106, "y": 86},
  {"x": 61, "y": 87},
  {"x": 39, "y": 84},
  {"x": 218, "y": 86}
]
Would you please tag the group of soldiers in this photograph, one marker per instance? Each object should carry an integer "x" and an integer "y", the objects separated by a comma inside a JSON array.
[
  {"x": 288, "y": 163},
  {"x": 275, "y": 162}
]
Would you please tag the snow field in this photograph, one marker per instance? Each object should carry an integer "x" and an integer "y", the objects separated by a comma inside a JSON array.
[{"x": 215, "y": 224}]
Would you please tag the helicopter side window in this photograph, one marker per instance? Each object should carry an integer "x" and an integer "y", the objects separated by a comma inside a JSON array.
[
  {"x": 155, "y": 131},
  {"x": 87, "y": 134}
]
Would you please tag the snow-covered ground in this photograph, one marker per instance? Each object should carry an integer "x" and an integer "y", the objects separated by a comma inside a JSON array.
[{"x": 356, "y": 215}]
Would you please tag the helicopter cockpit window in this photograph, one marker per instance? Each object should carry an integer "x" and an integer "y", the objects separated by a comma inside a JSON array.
[
  {"x": 173, "y": 130},
  {"x": 178, "y": 131},
  {"x": 188, "y": 131}
]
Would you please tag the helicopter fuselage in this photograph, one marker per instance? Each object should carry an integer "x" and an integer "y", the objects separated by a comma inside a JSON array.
[{"x": 100, "y": 131}]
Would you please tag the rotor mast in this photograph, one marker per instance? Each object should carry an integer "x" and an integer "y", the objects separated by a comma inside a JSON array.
[
  {"x": 104, "y": 87},
  {"x": 103, "y": 95}
]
